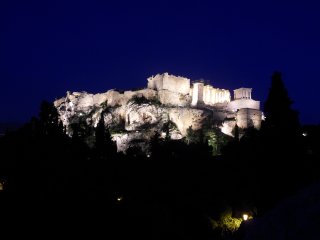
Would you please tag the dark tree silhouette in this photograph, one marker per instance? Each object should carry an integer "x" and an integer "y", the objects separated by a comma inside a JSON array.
[
  {"x": 155, "y": 145},
  {"x": 281, "y": 166},
  {"x": 49, "y": 120},
  {"x": 104, "y": 144},
  {"x": 279, "y": 114}
]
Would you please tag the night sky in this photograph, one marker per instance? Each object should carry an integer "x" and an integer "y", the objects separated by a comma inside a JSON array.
[{"x": 49, "y": 47}]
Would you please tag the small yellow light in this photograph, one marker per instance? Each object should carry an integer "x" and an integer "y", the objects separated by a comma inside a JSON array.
[
  {"x": 119, "y": 199},
  {"x": 245, "y": 217}
]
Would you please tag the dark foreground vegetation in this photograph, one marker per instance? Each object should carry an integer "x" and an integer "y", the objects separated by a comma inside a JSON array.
[{"x": 52, "y": 184}]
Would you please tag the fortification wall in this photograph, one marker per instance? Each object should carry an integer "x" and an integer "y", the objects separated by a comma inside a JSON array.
[
  {"x": 167, "y": 97},
  {"x": 156, "y": 82},
  {"x": 170, "y": 83},
  {"x": 176, "y": 84},
  {"x": 243, "y": 103},
  {"x": 247, "y": 117}
]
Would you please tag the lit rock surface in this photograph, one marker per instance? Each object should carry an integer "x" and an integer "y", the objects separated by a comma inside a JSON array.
[
  {"x": 167, "y": 97},
  {"x": 137, "y": 115},
  {"x": 144, "y": 116},
  {"x": 186, "y": 117}
]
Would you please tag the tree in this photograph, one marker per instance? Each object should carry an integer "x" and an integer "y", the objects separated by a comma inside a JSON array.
[
  {"x": 49, "y": 120},
  {"x": 104, "y": 143},
  {"x": 227, "y": 224},
  {"x": 194, "y": 136},
  {"x": 280, "y": 117},
  {"x": 280, "y": 167},
  {"x": 155, "y": 145}
]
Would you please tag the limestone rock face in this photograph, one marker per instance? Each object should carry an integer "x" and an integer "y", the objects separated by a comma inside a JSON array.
[
  {"x": 147, "y": 93},
  {"x": 167, "y": 97},
  {"x": 133, "y": 117},
  {"x": 130, "y": 122},
  {"x": 186, "y": 117},
  {"x": 130, "y": 139},
  {"x": 144, "y": 116}
]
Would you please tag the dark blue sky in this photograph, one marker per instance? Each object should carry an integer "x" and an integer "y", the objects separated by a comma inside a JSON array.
[{"x": 49, "y": 47}]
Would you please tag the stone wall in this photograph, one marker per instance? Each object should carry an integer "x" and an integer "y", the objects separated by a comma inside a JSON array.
[
  {"x": 169, "y": 82},
  {"x": 176, "y": 84},
  {"x": 247, "y": 117},
  {"x": 167, "y": 97},
  {"x": 156, "y": 82},
  {"x": 243, "y": 103}
]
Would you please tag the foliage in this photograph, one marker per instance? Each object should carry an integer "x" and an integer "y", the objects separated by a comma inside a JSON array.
[
  {"x": 194, "y": 136},
  {"x": 106, "y": 108},
  {"x": 49, "y": 119},
  {"x": 226, "y": 222},
  {"x": 104, "y": 105},
  {"x": 117, "y": 126},
  {"x": 250, "y": 172},
  {"x": 140, "y": 99},
  {"x": 277, "y": 108},
  {"x": 216, "y": 140},
  {"x": 104, "y": 144},
  {"x": 168, "y": 127},
  {"x": 171, "y": 125},
  {"x": 211, "y": 136}
]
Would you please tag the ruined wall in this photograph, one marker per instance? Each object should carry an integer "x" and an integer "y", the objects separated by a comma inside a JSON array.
[
  {"x": 247, "y": 117},
  {"x": 170, "y": 83},
  {"x": 156, "y": 82},
  {"x": 176, "y": 84},
  {"x": 167, "y": 97}
]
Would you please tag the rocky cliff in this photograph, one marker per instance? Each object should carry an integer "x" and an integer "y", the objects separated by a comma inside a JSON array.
[{"x": 133, "y": 117}]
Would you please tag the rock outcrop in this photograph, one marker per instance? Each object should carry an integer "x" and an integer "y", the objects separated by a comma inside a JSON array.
[
  {"x": 134, "y": 116},
  {"x": 131, "y": 116}
]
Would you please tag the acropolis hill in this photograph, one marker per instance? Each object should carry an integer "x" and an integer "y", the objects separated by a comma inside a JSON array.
[{"x": 137, "y": 115}]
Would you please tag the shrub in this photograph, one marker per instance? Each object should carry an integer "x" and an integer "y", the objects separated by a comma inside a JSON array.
[{"x": 143, "y": 100}]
